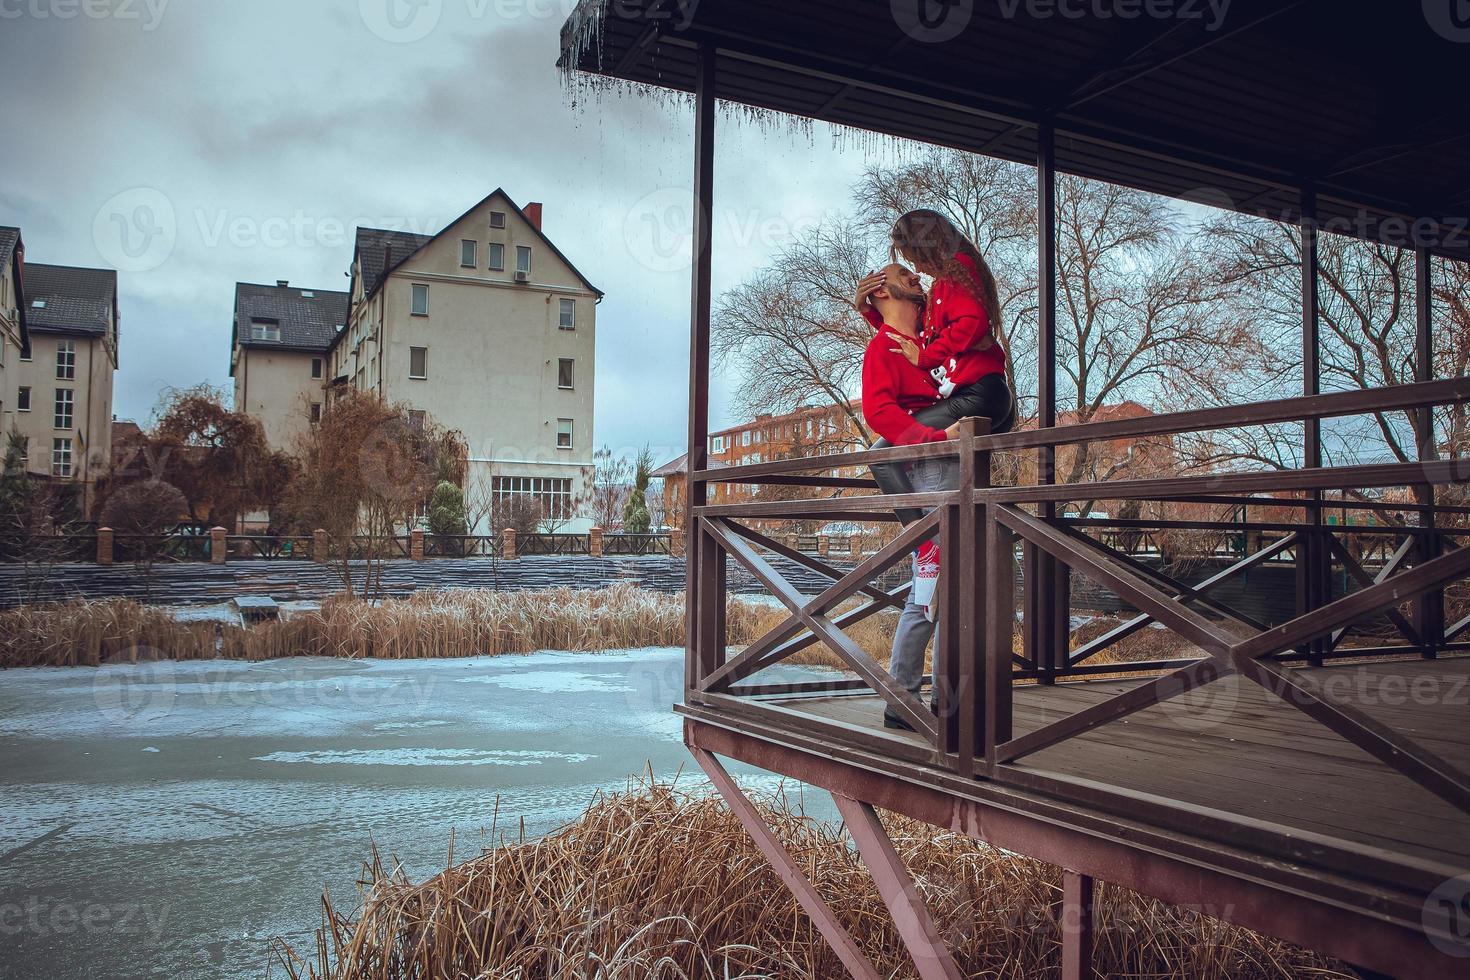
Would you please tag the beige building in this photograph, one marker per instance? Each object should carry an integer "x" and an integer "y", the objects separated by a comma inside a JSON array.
[
  {"x": 62, "y": 402},
  {"x": 14, "y": 336},
  {"x": 278, "y": 354},
  {"x": 489, "y": 329}
]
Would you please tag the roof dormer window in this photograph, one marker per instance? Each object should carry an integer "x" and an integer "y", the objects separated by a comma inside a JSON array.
[{"x": 38, "y": 304}]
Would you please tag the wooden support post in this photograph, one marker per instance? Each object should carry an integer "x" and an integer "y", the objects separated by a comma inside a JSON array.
[
  {"x": 1428, "y": 608},
  {"x": 1313, "y": 569},
  {"x": 219, "y": 546},
  {"x": 508, "y": 544},
  {"x": 781, "y": 862},
  {"x": 1041, "y": 568},
  {"x": 697, "y": 606},
  {"x": 104, "y": 546},
  {"x": 915, "y": 926},
  {"x": 594, "y": 542},
  {"x": 416, "y": 544},
  {"x": 319, "y": 549},
  {"x": 1077, "y": 926}
]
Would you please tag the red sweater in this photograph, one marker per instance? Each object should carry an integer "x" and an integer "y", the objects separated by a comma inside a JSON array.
[
  {"x": 954, "y": 324},
  {"x": 893, "y": 389}
]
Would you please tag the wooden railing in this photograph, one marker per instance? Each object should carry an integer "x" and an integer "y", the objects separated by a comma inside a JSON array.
[{"x": 984, "y": 530}]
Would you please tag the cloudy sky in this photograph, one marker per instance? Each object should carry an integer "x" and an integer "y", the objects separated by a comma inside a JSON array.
[{"x": 192, "y": 144}]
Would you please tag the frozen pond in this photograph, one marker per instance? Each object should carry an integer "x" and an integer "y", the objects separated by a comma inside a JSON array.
[{"x": 167, "y": 819}]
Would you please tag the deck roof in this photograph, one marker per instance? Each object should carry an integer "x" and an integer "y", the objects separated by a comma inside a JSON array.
[{"x": 1363, "y": 102}]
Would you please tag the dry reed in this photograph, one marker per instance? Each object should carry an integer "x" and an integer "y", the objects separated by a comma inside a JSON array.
[{"x": 657, "y": 882}]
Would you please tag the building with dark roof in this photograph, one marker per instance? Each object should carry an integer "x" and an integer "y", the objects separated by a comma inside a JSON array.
[
  {"x": 278, "y": 344},
  {"x": 488, "y": 328},
  {"x": 62, "y": 402}
]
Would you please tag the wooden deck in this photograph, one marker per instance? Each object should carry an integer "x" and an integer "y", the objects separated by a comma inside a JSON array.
[
  {"x": 1234, "y": 748},
  {"x": 1252, "y": 794}
]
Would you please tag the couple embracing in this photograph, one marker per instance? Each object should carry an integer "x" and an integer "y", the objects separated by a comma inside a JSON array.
[{"x": 935, "y": 359}]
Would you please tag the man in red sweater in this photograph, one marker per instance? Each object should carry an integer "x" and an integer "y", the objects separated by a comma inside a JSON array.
[{"x": 894, "y": 393}]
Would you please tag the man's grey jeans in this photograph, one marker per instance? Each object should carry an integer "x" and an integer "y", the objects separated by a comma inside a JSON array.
[{"x": 915, "y": 629}]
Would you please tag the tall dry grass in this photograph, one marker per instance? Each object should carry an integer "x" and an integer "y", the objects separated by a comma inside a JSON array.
[
  {"x": 657, "y": 883},
  {"x": 430, "y": 624}
]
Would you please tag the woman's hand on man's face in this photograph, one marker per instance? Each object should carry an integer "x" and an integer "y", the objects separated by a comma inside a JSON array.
[{"x": 866, "y": 287}]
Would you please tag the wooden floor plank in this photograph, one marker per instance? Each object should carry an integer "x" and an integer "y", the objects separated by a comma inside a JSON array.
[{"x": 1263, "y": 758}]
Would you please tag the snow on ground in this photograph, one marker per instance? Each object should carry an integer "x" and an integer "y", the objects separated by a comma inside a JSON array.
[{"x": 196, "y": 809}]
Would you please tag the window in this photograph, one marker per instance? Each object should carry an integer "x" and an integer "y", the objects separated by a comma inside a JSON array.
[
  {"x": 316, "y": 412},
  {"x": 554, "y": 494},
  {"x": 265, "y": 330},
  {"x": 497, "y": 219},
  {"x": 66, "y": 360},
  {"x": 418, "y": 362},
  {"x": 563, "y": 433},
  {"x": 308, "y": 294},
  {"x": 523, "y": 259},
  {"x": 420, "y": 305},
  {"x": 61, "y": 457},
  {"x": 23, "y": 399},
  {"x": 568, "y": 314},
  {"x": 717, "y": 444},
  {"x": 566, "y": 373},
  {"x": 416, "y": 420},
  {"x": 745, "y": 438},
  {"x": 467, "y": 254},
  {"x": 64, "y": 403},
  {"x": 316, "y": 367},
  {"x": 38, "y": 304},
  {"x": 497, "y": 255}
]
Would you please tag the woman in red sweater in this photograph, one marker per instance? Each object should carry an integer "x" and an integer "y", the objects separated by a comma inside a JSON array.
[{"x": 959, "y": 344}]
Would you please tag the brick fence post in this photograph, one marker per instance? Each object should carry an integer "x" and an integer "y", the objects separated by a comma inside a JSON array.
[
  {"x": 219, "y": 545},
  {"x": 824, "y": 545},
  {"x": 416, "y": 544},
  {"x": 319, "y": 545},
  {"x": 508, "y": 544},
  {"x": 676, "y": 542},
  {"x": 855, "y": 545},
  {"x": 104, "y": 546},
  {"x": 594, "y": 542},
  {"x": 793, "y": 541}
]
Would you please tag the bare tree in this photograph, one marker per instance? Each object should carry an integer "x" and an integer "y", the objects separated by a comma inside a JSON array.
[
  {"x": 790, "y": 329},
  {"x": 612, "y": 481}
]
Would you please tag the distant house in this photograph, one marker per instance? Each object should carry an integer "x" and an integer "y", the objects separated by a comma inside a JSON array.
[
  {"x": 817, "y": 430},
  {"x": 14, "y": 336},
  {"x": 63, "y": 383},
  {"x": 278, "y": 354},
  {"x": 489, "y": 329}
]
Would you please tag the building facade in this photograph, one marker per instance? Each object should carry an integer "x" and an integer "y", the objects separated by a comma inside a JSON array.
[
  {"x": 278, "y": 355},
  {"x": 489, "y": 329},
  {"x": 62, "y": 384},
  {"x": 818, "y": 430},
  {"x": 14, "y": 335}
]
